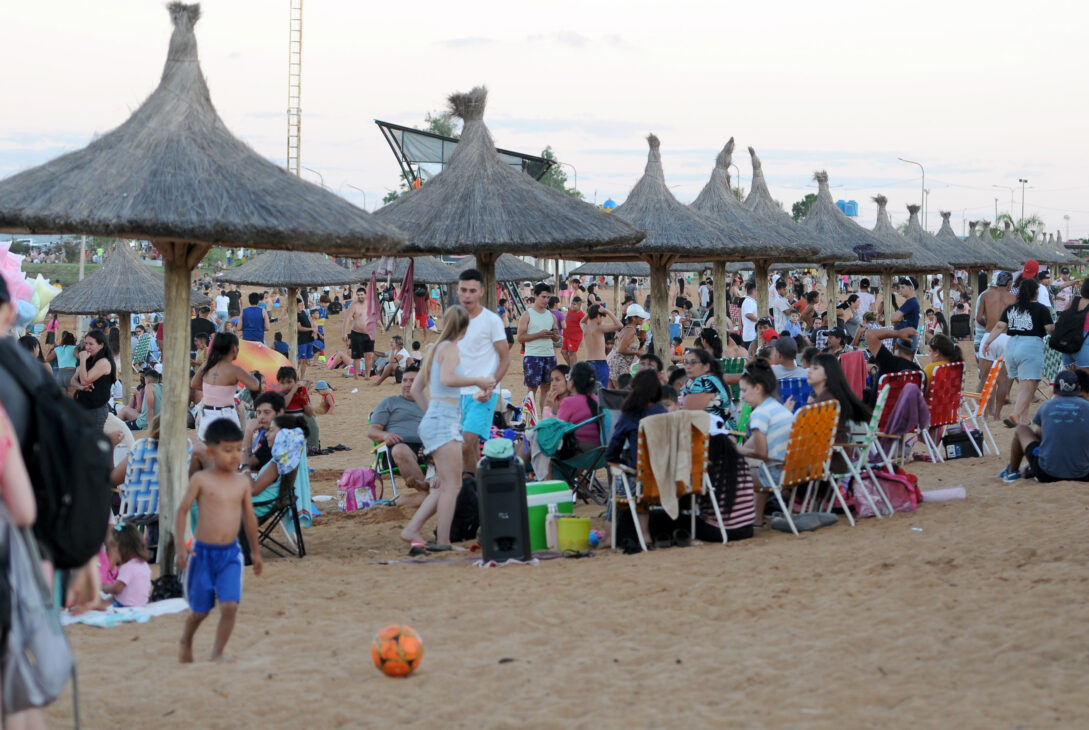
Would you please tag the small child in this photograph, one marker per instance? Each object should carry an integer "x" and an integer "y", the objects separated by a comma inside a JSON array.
[
  {"x": 278, "y": 344},
  {"x": 677, "y": 354},
  {"x": 794, "y": 326},
  {"x": 128, "y": 552},
  {"x": 416, "y": 354},
  {"x": 223, "y": 501},
  {"x": 296, "y": 397},
  {"x": 328, "y": 401}
]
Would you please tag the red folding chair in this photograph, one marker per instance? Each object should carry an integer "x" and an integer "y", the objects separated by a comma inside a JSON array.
[
  {"x": 895, "y": 382},
  {"x": 944, "y": 396}
]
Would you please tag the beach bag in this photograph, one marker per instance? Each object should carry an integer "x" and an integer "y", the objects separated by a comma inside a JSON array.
[
  {"x": 901, "y": 487},
  {"x": 1069, "y": 333},
  {"x": 466, "y": 521},
  {"x": 356, "y": 489},
  {"x": 69, "y": 461},
  {"x": 37, "y": 658}
]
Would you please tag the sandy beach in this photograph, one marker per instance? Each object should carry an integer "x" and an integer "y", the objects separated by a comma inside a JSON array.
[{"x": 964, "y": 614}]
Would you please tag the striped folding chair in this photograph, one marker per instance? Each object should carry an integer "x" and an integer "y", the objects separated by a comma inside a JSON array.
[
  {"x": 896, "y": 383},
  {"x": 640, "y": 490},
  {"x": 858, "y": 453},
  {"x": 1053, "y": 363},
  {"x": 797, "y": 388},
  {"x": 944, "y": 396},
  {"x": 982, "y": 399}
]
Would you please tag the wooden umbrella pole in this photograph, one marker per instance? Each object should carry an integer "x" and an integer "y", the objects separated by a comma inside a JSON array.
[
  {"x": 659, "y": 302},
  {"x": 292, "y": 317},
  {"x": 125, "y": 371},
  {"x": 969, "y": 294},
  {"x": 886, "y": 296},
  {"x": 760, "y": 273},
  {"x": 485, "y": 262},
  {"x": 720, "y": 295},
  {"x": 947, "y": 309},
  {"x": 831, "y": 292},
  {"x": 618, "y": 286},
  {"x": 179, "y": 259}
]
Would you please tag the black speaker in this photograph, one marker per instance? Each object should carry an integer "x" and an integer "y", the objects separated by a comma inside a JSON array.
[{"x": 504, "y": 516}]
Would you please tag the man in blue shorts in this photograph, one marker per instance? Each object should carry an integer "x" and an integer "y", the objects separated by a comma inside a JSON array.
[
  {"x": 537, "y": 330},
  {"x": 484, "y": 351},
  {"x": 306, "y": 336}
]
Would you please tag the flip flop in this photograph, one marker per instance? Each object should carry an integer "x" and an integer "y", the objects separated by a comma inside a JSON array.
[
  {"x": 417, "y": 549},
  {"x": 1009, "y": 422},
  {"x": 436, "y": 547}
]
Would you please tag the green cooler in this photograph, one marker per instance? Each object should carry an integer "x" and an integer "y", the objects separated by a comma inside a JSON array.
[{"x": 539, "y": 495}]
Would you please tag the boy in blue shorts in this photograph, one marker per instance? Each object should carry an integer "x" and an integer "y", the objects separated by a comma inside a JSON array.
[{"x": 223, "y": 498}]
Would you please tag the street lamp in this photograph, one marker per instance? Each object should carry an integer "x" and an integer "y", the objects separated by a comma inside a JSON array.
[
  {"x": 738, "y": 179},
  {"x": 1012, "y": 190},
  {"x": 922, "y": 187},
  {"x": 362, "y": 191},
  {"x": 1023, "y": 182},
  {"x": 576, "y": 172},
  {"x": 320, "y": 176}
]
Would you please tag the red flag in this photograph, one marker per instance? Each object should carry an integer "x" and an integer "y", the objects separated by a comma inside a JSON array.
[{"x": 407, "y": 299}]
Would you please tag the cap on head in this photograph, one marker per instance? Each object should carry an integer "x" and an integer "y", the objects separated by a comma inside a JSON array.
[
  {"x": 634, "y": 310},
  {"x": 322, "y": 385},
  {"x": 1032, "y": 268},
  {"x": 1066, "y": 383},
  {"x": 1003, "y": 278}
]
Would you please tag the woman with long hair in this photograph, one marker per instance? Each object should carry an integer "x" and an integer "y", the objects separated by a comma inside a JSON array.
[
  {"x": 825, "y": 375},
  {"x": 437, "y": 389},
  {"x": 705, "y": 390},
  {"x": 1027, "y": 322},
  {"x": 581, "y": 405},
  {"x": 642, "y": 401},
  {"x": 943, "y": 350},
  {"x": 94, "y": 376},
  {"x": 218, "y": 379}
]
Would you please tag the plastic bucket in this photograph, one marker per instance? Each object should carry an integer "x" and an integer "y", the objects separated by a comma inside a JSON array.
[{"x": 572, "y": 534}]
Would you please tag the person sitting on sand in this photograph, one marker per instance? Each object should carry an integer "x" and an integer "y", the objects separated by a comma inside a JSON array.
[
  {"x": 127, "y": 553},
  {"x": 1056, "y": 445},
  {"x": 395, "y": 361},
  {"x": 396, "y": 423},
  {"x": 223, "y": 499}
]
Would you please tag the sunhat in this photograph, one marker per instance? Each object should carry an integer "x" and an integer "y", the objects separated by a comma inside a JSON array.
[{"x": 634, "y": 310}]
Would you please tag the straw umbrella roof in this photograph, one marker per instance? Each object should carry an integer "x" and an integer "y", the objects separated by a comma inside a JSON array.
[
  {"x": 197, "y": 298},
  {"x": 290, "y": 269},
  {"x": 926, "y": 243},
  {"x": 173, "y": 172},
  {"x": 1012, "y": 249},
  {"x": 427, "y": 270},
  {"x": 759, "y": 201},
  {"x": 1053, "y": 249},
  {"x": 970, "y": 253},
  {"x": 122, "y": 284},
  {"x": 828, "y": 220},
  {"x": 638, "y": 268},
  {"x": 922, "y": 261},
  {"x": 480, "y": 204},
  {"x": 508, "y": 267},
  {"x": 717, "y": 202},
  {"x": 672, "y": 228}
]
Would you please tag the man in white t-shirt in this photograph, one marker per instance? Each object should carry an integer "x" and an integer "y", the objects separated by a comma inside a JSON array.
[
  {"x": 222, "y": 305},
  {"x": 780, "y": 305},
  {"x": 749, "y": 316},
  {"x": 865, "y": 298},
  {"x": 705, "y": 295},
  {"x": 483, "y": 351}
]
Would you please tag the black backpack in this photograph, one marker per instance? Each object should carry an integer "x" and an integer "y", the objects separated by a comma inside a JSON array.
[
  {"x": 466, "y": 520},
  {"x": 69, "y": 461},
  {"x": 1069, "y": 333}
]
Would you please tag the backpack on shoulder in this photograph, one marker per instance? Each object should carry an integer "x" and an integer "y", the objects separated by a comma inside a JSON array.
[
  {"x": 69, "y": 461},
  {"x": 1069, "y": 333}
]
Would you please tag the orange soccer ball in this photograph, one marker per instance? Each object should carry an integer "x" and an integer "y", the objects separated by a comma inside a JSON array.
[{"x": 397, "y": 650}]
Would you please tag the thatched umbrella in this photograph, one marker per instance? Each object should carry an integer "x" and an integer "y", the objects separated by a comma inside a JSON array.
[
  {"x": 1052, "y": 250},
  {"x": 197, "y": 298},
  {"x": 760, "y": 201},
  {"x": 639, "y": 269},
  {"x": 123, "y": 284},
  {"x": 1013, "y": 250},
  {"x": 426, "y": 270},
  {"x": 174, "y": 175},
  {"x": 922, "y": 260},
  {"x": 934, "y": 248},
  {"x": 506, "y": 268},
  {"x": 717, "y": 202},
  {"x": 971, "y": 253},
  {"x": 480, "y": 205},
  {"x": 674, "y": 232},
  {"x": 290, "y": 270}
]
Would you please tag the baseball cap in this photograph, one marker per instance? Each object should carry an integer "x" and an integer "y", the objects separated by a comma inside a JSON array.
[
  {"x": 1066, "y": 383},
  {"x": 769, "y": 335},
  {"x": 1032, "y": 267},
  {"x": 322, "y": 385},
  {"x": 634, "y": 310},
  {"x": 1065, "y": 270},
  {"x": 1044, "y": 274},
  {"x": 839, "y": 332},
  {"x": 1003, "y": 278}
]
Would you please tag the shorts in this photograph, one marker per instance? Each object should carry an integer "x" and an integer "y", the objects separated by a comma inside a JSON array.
[
  {"x": 601, "y": 368},
  {"x": 133, "y": 426},
  {"x": 1025, "y": 357},
  {"x": 1080, "y": 358},
  {"x": 1032, "y": 456},
  {"x": 571, "y": 345},
  {"x": 306, "y": 352},
  {"x": 537, "y": 369},
  {"x": 208, "y": 416},
  {"x": 214, "y": 572},
  {"x": 477, "y": 417},
  {"x": 360, "y": 343},
  {"x": 421, "y": 321},
  {"x": 440, "y": 425},
  {"x": 221, "y": 316}
]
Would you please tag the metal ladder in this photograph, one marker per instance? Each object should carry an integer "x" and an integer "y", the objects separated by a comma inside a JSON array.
[{"x": 294, "y": 87}]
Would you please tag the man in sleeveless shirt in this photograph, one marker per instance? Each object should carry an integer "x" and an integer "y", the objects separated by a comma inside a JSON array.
[{"x": 538, "y": 331}]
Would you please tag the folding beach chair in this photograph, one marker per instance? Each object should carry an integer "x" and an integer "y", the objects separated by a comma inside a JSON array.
[
  {"x": 944, "y": 396},
  {"x": 982, "y": 399},
  {"x": 733, "y": 366},
  {"x": 797, "y": 388},
  {"x": 896, "y": 383},
  {"x": 858, "y": 455},
  {"x": 580, "y": 470},
  {"x": 140, "y": 491},
  {"x": 281, "y": 508},
  {"x": 1053, "y": 363},
  {"x": 808, "y": 458},
  {"x": 639, "y": 489},
  {"x": 140, "y": 352}
]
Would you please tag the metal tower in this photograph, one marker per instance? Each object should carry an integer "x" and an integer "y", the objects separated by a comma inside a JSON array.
[{"x": 294, "y": 87}]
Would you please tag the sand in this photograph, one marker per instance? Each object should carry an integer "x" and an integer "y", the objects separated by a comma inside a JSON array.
[{"x": 964, "y": 614}]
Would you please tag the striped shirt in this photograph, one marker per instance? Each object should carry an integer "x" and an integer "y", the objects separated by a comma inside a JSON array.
[{"x": 774, "y": 420}]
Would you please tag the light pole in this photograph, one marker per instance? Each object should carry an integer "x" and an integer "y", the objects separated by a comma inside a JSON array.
[
  {"x": 320, "y": 176},
  {"x": 996, "y": 211},
  {"x": 1023, "y": 182},
  {"x": 1012, "y": 191},
  {"x": 576, "y": 172},
  {"x": 353, "y": 187},
  {"x": 738, "y": 179},
  {"x": 1067, "y": 219},
  {"x": 922, "y": 187}
]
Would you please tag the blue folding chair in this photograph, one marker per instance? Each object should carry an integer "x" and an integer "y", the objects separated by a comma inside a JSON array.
[{"x": 797, "y": 388}]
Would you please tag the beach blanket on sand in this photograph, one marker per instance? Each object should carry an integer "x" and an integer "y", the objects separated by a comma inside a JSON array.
[{"x": 116, "y": 616}]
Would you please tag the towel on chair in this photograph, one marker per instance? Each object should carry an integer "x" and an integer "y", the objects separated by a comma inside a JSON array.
[
  {"x": 854, "y": 367},
  {"x": 669, "y": 446}
]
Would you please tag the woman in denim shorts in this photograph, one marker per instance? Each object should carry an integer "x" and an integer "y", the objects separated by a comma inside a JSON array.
[
  {"x": 1027, "y": 322},
  {"x": 438, "y": 389}
]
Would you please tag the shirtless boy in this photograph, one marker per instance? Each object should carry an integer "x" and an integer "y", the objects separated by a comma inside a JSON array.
[
  {"x": 223, "y": 500},
  {"x": 355, "y": 333},
  {"x": 992, "y": 303},
  {"x": 597, "y": 322}
]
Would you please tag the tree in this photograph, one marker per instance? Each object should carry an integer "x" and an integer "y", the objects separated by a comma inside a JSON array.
[
  {"x": 801, "y": 209},
  {"x": 556, "y": 177},
  {"x": 1025, "y": 226},
  {"x": 739, "y": 193},
  {"x": 442, "y": 123}
]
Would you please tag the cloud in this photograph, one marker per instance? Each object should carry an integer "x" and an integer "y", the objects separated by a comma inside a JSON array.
[
  {"x": 467, "y": 42},
  {"x": 563, "y": 37}
]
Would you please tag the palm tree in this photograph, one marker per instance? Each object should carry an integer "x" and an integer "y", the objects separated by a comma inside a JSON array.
[{"x": 1025, "y": 226}]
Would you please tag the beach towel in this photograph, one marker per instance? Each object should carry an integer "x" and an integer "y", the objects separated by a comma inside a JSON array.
[
  {"x": 289, "y": 452},
  {"x": 670, "y": 456},
  {"x": 116, "y": 616},
  {"x": 143, "y": 347},
  {"x": 854, "y": 367}
]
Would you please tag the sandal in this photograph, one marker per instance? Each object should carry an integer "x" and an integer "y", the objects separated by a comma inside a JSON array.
[
  {"x": 438, "y": 547},
  {"x": 417, "y": 549}
]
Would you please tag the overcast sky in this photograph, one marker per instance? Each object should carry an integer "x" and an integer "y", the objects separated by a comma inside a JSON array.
[{"x": 979, "y": 93}]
